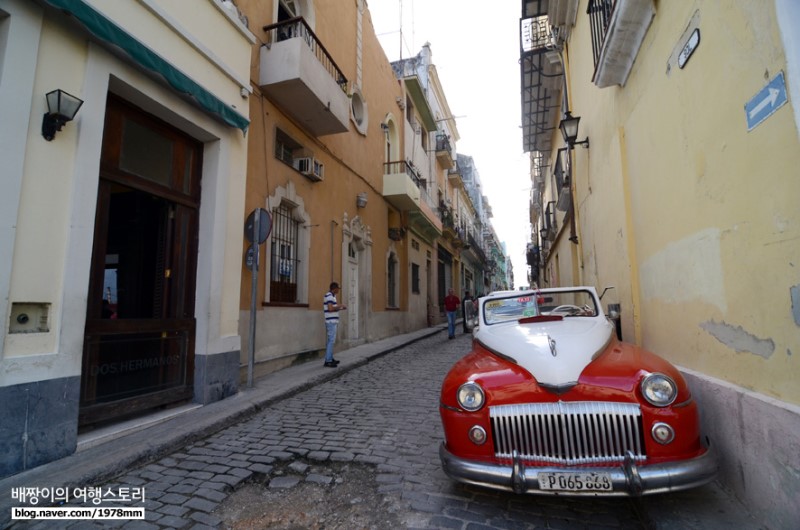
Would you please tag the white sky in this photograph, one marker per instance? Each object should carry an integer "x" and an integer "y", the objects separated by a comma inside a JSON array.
[{"x": 476, "y": 52}]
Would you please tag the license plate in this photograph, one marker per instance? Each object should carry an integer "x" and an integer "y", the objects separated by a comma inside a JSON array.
[{"x": 598, "y": 481}]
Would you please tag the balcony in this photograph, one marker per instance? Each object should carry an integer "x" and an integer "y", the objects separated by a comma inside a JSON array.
[
  {"x": 444, "y": 152},
  {"x": 476, "y": 248},
  {"x": 401, "y": 186},
  {"x": 618, "y": 28},
  {"x": 299, "y": 75},
  {"x": 541, "y": 72},
  {"x": 450, "y": 229},
  {"x": 405, "y": 190},
  {"x": 455, "y": 178}
]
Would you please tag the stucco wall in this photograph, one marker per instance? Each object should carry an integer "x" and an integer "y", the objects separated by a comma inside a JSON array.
[
  {"x": 713, "y": 224},
  {"x": 51, "y": 195},
  {"x": 353, "y": 165},
  {"x": 698, "y": 215}
]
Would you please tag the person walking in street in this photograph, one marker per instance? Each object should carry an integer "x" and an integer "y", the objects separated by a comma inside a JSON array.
[
  {"x": 451, "y": 303},
  {"x": 331, "y": 310},
  {"x": 467, "y": 310}
]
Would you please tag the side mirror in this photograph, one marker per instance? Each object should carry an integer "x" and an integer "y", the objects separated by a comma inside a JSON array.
[{"x": 614, "y": 312}]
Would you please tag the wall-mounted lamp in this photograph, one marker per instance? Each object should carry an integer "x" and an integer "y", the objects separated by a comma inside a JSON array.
[
  {"x": 61, "y": 108},
  {"x": 569, "y": 130},
  {"x": 361, "y": 199}
]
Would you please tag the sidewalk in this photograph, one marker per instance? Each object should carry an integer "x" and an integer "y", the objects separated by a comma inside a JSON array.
[{"x": 104, "y": 460}]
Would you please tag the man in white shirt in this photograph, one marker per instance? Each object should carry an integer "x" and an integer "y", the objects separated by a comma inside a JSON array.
[{"x": 331, "y": 310}]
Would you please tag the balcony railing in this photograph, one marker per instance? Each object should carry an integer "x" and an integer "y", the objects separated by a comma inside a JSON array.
[
  {"x": 403, "y": 166},
  {"x": 442, "y": 142},
  {"x": 599, "y": 16},
  {"x": 617, "y": 31},
  {"x": 298, "y": 28},
  {"x": 476, "y": 248},
  {"x": 444, "y": 151}
]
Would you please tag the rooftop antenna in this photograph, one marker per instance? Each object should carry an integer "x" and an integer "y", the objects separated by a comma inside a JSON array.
[{"x": 401, "y": 29}]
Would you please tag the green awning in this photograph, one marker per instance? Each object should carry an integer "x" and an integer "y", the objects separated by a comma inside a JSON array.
[{"x": 107, "y": 31}]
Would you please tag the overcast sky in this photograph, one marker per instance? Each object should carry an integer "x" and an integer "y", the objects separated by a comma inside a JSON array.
[{"x": 475, "y": 47}]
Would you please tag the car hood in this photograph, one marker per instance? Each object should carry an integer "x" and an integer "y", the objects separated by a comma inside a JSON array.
[{"x": 555, "y": 353}]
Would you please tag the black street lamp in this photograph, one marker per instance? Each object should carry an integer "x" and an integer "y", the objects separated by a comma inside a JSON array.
[{"x": 569, "y": 130}]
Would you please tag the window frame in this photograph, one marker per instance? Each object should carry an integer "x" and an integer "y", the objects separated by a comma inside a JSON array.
[{"x": 284, "y": 253}]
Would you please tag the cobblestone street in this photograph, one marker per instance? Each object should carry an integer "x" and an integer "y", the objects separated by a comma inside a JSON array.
[{"x": 382, "y": 416}]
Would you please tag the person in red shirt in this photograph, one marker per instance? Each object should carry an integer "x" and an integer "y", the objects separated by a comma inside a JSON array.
[{"x": 451, "y": 303}]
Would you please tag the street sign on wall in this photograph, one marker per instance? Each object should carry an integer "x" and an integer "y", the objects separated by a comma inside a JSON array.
[{"x": 765, "y": 102}]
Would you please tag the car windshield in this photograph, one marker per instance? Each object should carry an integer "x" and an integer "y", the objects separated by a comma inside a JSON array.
[{"x": 578, "y": 303}]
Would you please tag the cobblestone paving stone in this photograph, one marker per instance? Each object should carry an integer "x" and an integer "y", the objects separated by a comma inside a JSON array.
[{"x": 384, "y": 414}]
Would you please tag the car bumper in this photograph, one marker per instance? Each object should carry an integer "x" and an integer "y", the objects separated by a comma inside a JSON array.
[{"x": 628, "y": 479}]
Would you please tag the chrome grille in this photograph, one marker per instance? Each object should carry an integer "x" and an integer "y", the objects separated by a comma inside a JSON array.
[{"x": 568, "y": 433}]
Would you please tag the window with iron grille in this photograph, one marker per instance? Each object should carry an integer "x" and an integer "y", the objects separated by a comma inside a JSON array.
[
  {"x": 415, "y": 278},
  {"x": 283, "y": 255},
  {"x": 391, "y": 281},
  {"x": 599, "y": 12},
  {"x": 558, "y": 173}
]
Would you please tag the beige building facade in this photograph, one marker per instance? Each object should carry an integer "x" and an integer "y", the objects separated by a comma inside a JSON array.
[
  {"x": 684, "y": 200},
  {"x": 338, "y": 156},
  {"x": 120, "y": 242}
]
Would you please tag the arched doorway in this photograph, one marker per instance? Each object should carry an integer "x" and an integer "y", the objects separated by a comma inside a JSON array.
[{"x": 357, "y": 278}]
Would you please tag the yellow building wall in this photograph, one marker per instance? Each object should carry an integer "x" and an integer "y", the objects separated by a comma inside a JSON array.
[
  {"x": 353, "y": 163},
  {"x": 197, "y": 43},
  {"x": 712, "y": 226}
]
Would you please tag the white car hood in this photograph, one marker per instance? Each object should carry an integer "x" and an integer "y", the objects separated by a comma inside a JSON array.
[{"x": 555, "y": 353}]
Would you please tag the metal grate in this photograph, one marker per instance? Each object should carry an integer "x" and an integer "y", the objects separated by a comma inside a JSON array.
[
  {"x": 568, "y": 433},
  {"x": 599, "y": 12},
  {"x": 283, "y": 268}
]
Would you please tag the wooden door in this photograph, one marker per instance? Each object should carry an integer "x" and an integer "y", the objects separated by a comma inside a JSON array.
[{"x": 140, "y": 325}]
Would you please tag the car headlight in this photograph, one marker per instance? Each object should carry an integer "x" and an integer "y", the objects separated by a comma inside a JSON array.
[
  {"x": 470, "y": 396},
  {"x": 659, "y": 390}
]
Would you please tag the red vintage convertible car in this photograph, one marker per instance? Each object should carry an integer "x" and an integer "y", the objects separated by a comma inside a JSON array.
[{"x": 549, "y": 401}]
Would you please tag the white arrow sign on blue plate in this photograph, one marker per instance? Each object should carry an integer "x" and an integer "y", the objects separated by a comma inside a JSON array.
[{"x": 766, "y": 102}]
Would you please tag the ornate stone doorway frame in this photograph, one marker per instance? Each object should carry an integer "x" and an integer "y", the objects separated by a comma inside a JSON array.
[{"x": 356, "y": 275}]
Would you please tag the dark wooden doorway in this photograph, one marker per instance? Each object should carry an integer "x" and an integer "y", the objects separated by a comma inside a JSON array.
[{"x": 140, "y": 327}]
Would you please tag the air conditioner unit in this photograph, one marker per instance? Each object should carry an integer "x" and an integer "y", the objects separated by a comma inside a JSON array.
[
  {"x": 310, "y": 167},
  {"x": 303, "y": 164},
  {"x": 318, "y": 170}
]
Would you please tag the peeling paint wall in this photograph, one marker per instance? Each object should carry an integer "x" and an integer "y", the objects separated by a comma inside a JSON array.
[
  {"x": 708, "y": 208},
  {"x": 794, "y": 292},
  {"x": 737, "y": 338},
  {"x": 711, "y": 223}
]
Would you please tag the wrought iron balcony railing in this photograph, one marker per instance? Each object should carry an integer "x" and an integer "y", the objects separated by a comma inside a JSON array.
[
  {"x": 403, "y": 166},
  {"x": 298, "y": 28},
  {"x": 476, "y": 248},
  {"x": 442, "y": 142},
  {"x": 599, "y": 12}
]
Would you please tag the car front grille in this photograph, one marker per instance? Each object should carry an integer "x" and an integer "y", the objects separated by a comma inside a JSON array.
[{"x": 568, "y": 433}]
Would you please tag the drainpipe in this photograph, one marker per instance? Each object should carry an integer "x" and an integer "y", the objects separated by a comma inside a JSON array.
[
  {"x": 333, "y": 224},
  {"x": 631, "y": 239}
]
